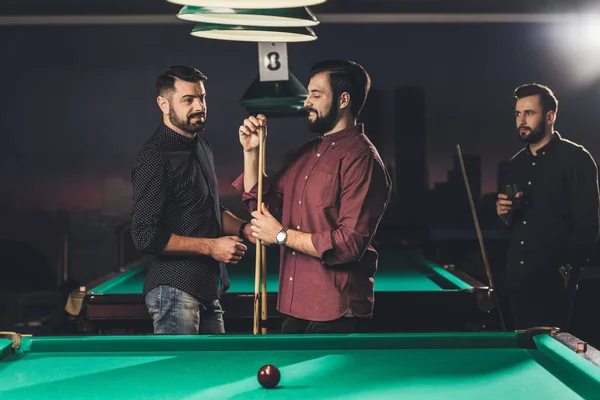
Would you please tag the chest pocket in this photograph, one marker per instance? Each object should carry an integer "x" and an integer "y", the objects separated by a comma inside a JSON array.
[{"x": 322, "y": 189}]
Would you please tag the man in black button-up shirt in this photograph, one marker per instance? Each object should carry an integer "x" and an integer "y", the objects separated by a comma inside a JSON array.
[
  {"x": 553, "y": 224},
  {"x": 176, "y": 215}
]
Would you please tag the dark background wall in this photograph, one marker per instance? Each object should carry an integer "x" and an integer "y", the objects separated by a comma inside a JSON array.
[{"x": 78, "y": 102}]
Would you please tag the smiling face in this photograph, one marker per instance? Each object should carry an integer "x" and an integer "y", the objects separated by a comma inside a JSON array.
[
  {"x": 185, "y": 106},
  {"x": 531, "y": 121},
  {"x": 323, "y": 109}
]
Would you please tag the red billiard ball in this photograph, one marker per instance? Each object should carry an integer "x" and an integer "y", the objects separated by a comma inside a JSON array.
[{"x": 268, "y": 376}]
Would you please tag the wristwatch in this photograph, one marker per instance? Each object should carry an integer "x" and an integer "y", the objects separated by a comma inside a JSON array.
[
  {"x": 281, "y": 236},
  {"x": 241, "y": 232}
]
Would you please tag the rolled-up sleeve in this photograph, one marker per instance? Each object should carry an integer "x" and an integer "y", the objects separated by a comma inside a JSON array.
[
  {"x": 150, "y": 181},
  {"x": 364, "y": 197},
  {"x": 272, "y": 192}
]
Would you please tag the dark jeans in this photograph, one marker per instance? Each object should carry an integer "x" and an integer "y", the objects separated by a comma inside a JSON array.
[
  {"x": 539, "y": 297},
  {"x": 342, "y": 325}
]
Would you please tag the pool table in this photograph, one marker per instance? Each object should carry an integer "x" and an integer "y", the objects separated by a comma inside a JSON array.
[
  {"x": 534, "y": 364},
  {"x": 412, "y": 293}
]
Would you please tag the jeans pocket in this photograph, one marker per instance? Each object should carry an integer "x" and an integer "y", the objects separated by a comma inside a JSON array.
[
  {"x": 153, "y": 301},
  {"x": 212, "y": 321}
]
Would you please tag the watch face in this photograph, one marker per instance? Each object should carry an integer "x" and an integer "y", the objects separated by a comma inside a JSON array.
[{"x": 280, "y": 236}]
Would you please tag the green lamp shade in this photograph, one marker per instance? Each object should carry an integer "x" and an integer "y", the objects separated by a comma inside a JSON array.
[
  {"x": 248, "y": 3},
  {"x": 294, "y": 17},
  {"x": 275, "y": 98},
  {"x": 260, "y": 92},
  {"x": 243, "y": 33},
  {"x": 287, "y": 111}
]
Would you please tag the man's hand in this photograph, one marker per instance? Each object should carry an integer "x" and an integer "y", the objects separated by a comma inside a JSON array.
[
  {"x": 249, "y": 132},
  {"x": 264, "y": 226},
  {"x": 228, "y": 249},
  {"x": 503, "y": 205},
  {"x": 247, "y": 234}
]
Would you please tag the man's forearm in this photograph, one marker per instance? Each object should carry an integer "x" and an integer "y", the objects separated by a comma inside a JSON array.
[
  {"x": 231, "y": 223},
  {"x": 250, "y": 170},
  {"x": 302, "y": 242},
  {"x": 181, "y": 245}
]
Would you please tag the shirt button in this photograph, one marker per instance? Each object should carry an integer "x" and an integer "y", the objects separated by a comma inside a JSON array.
[
  {"x": 298, "y": 227},
  {"x": 299, "y": 201},
  {"x": 291, "y": 279},
  {"x": 333, "y": 143},
  {"x": 306, "y": 177},
  {"x": 293, "y": 253},
  {"x": 524, "y": 222},
  {"x": 522, "y": 262},
  {"x": 318, "y": 154},
  {"x": 533, "y": 163},
  {"x": 529, "y": 183},
  {"x": 522, "y": 242}
]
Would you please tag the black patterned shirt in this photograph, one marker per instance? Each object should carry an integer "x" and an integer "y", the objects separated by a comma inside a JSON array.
[{"x": 175, "y": 191}]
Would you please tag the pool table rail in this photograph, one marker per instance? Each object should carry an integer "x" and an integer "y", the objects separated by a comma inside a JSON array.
[{"x": 525, "y": 339}]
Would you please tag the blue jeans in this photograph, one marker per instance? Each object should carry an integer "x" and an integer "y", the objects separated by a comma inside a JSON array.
[{"x": 175, "y": 312}]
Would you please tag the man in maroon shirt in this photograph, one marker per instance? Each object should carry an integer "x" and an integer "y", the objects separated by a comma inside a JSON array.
[{"x": 332, "y": 195}]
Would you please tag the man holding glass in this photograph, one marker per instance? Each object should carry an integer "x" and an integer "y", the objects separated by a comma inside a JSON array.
[{"x": 550, "y": 207}]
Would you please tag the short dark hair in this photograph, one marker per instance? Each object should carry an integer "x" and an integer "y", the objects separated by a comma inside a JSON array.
[
  {"x": 346, "y": 76},
  {"x": 166, "y": 81},
  {"x": 549, "y": 101}
]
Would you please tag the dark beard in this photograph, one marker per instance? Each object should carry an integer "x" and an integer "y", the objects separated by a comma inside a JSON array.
[
  {"x": 186, "y": 125},
  {"x": 323, "y": 124},
  {"x": 535, "y": 135}
]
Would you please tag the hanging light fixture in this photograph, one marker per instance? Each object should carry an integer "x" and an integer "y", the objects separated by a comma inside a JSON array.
[
  {"x": 245, "y": 33},
  {"x": 283, "y": 17},
  {"x": 282, "y": 112},
  {"x": 248, "y": 3},
  {"x": 275, "y": 98}
]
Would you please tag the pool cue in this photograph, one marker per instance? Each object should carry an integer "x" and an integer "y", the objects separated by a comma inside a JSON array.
[
  {"x": 479, "y": 235},
  {"x": 258, "y": 259},
  {"x": 263, "y": 250}
]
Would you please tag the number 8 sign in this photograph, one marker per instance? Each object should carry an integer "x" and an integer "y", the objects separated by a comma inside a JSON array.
[{"x": 273, "y": 62}]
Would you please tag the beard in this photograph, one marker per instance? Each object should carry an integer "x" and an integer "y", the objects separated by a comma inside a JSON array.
[
  {"x": 324, "y": 123},
  {"x": 185, "y": 123},
  {"x": 535, "y": 135}
]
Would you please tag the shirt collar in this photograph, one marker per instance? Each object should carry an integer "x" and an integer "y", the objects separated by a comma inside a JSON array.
[
  {"x": 175, "y": 137},
  {"x": 548, "y": 146},
  {"x": 345, "y": 133}
]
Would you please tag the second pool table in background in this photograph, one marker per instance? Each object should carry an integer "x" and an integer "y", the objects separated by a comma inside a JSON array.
[{"x": 412, "y": 293}]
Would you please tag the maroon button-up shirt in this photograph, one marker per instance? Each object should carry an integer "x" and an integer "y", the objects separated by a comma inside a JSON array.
[{"x": 336, "y": 188}]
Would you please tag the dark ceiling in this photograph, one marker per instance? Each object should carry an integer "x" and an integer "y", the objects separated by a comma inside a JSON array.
[{"x": 154, "y": 7}]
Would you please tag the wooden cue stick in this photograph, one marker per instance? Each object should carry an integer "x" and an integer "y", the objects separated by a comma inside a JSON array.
[
  {"x": 257, "y": 264},
  {"x": 479, "y": 235},
  {"x": 263, "y": 252}
]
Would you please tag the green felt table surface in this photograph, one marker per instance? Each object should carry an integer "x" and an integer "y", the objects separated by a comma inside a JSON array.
[
  {"x": 396, "y": 272},
  {"x": 359, "y": 366}
]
